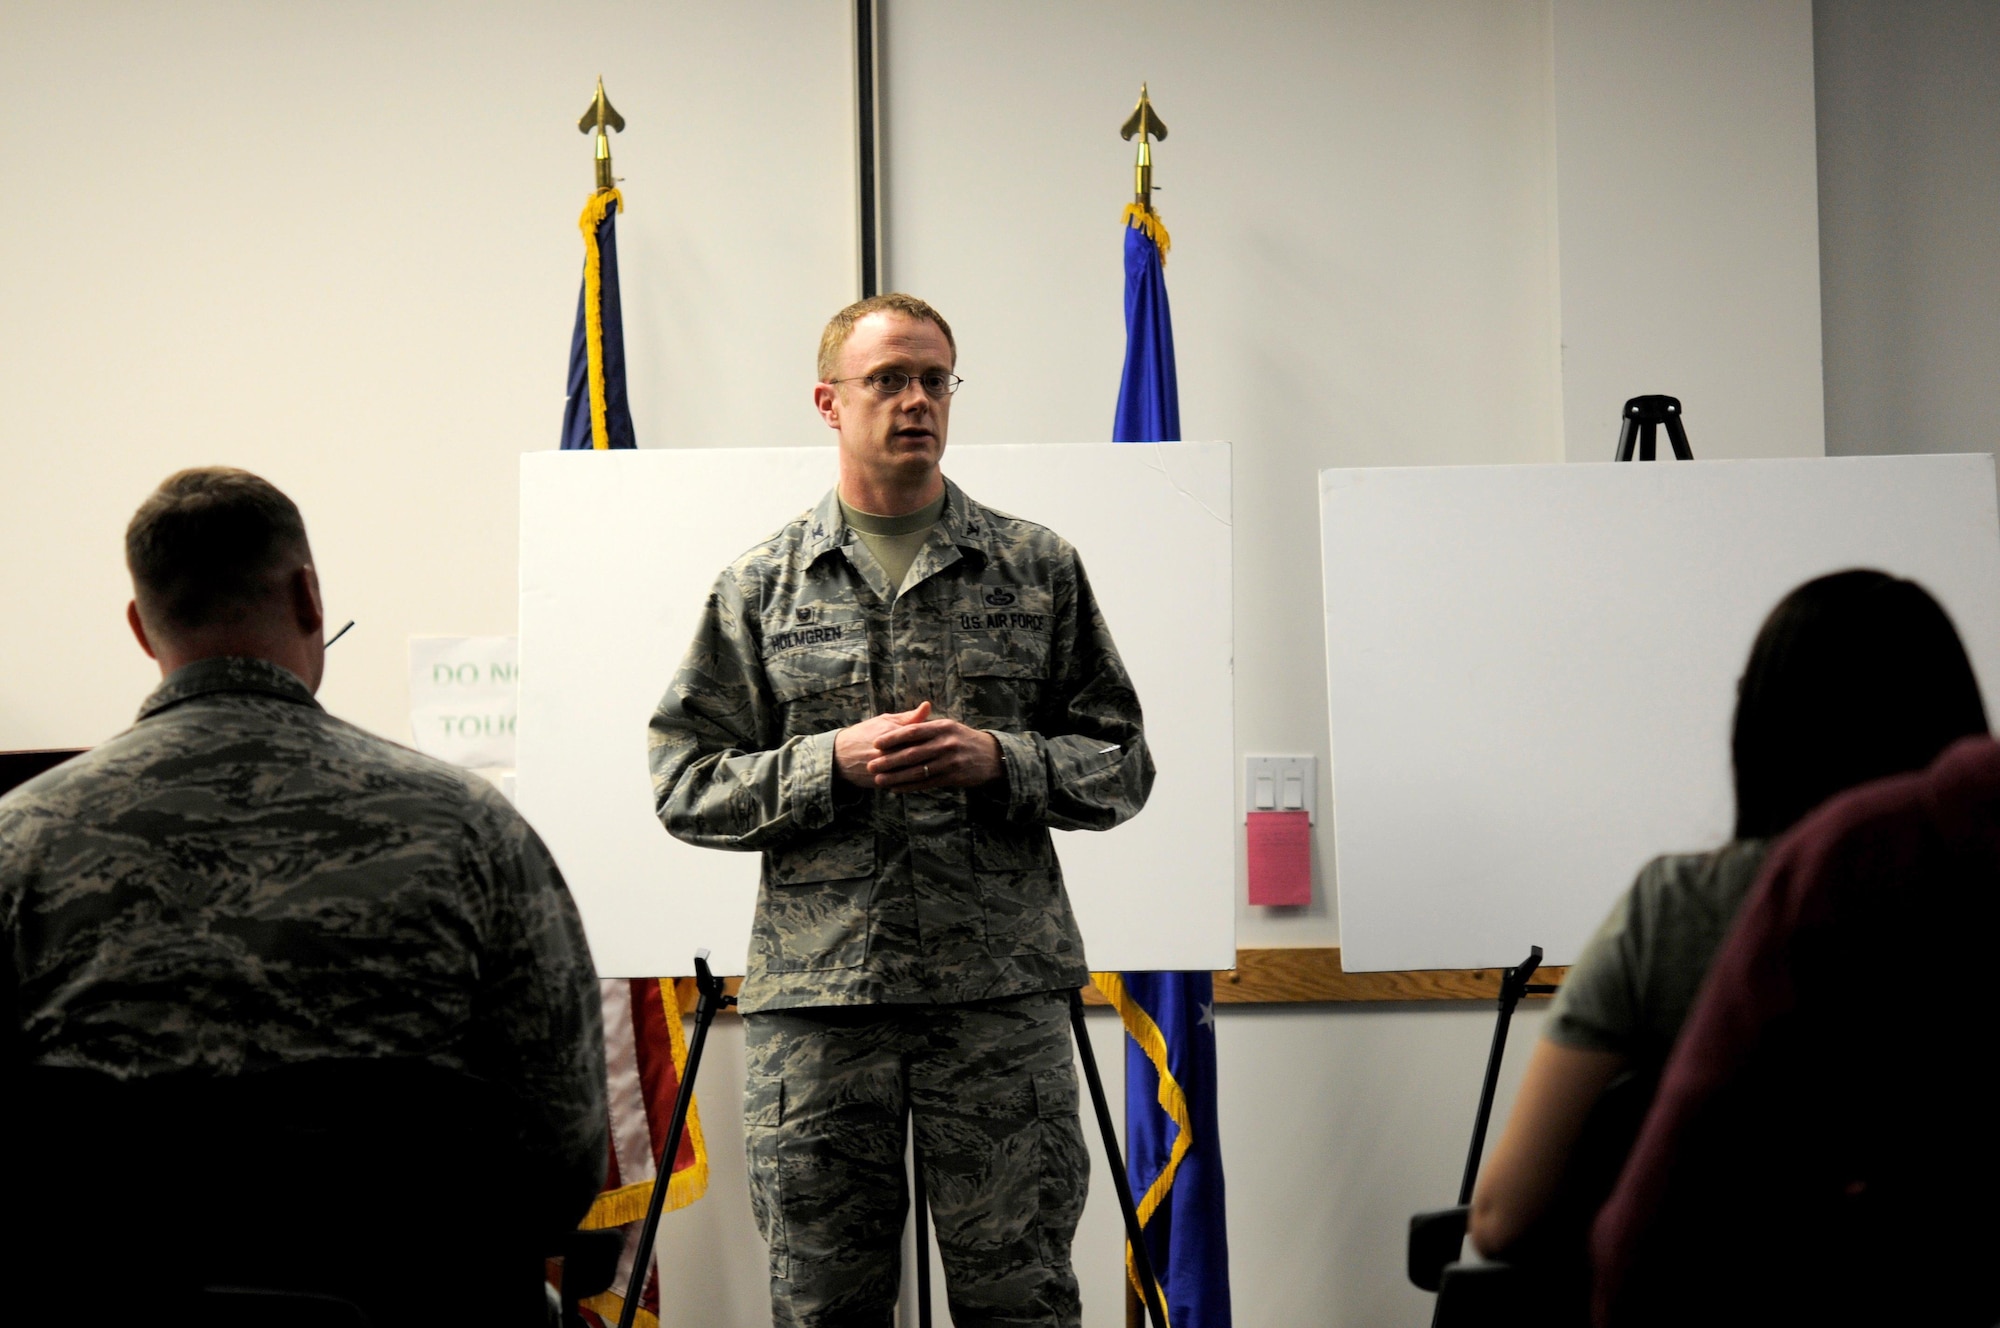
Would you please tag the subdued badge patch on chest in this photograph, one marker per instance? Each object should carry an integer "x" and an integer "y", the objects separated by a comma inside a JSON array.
[{"x": 999, "y": 597}]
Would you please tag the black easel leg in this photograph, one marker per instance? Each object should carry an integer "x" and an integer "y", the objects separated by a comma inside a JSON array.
[
  {"x": 1514, "y": 985},
  {"x": 1679, "y": 438},
  {"x": 712, "y": 1000},
  {"x": 1142, "y": 1258},
  {"x": 921, "y": 1215},
  {"x": 1493, "y": 1058}
]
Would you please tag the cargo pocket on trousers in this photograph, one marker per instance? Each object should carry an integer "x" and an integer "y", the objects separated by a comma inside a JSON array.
[
  {"x": 763, "y": 1115},
  {"x": 1065, "y": 1165}
]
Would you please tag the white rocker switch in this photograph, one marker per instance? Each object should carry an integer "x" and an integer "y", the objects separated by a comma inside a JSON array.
[{"x": 1280, "y": 784}]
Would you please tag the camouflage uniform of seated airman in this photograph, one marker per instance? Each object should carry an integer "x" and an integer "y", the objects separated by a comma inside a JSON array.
[
  {"x": 240, "y": 880},
  {"x": 910, "y": 952}
]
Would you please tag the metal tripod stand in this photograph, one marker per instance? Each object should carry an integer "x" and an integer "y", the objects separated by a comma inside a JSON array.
[{"x": 1643, "y": 417}]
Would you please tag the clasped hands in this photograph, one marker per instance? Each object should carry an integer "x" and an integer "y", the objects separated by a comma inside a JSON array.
[{"x": 909, "y": 752}]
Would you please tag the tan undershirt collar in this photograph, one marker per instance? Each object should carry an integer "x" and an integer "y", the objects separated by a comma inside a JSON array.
[{"x": 894, "y": 540}]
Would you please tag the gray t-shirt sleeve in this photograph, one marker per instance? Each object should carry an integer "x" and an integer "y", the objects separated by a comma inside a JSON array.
[{"x": 1598, "y": 1006}]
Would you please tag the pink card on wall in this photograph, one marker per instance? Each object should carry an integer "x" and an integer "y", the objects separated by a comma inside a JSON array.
[{"x": 1280, "y": 858}]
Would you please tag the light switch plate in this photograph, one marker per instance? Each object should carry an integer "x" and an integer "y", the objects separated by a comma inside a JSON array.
[{"x": 1281, "y": 784}]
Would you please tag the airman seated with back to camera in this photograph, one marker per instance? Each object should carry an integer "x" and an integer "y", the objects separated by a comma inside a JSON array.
[{"x": 240, "y": 881}]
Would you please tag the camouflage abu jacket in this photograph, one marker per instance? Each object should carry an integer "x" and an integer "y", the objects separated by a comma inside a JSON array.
[
  {"x": 870, "y": 897},
  {"x": 241, "y": 880}
]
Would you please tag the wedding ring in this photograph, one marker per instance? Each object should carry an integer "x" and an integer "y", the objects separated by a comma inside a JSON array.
[{"x": 927, "y": 772}]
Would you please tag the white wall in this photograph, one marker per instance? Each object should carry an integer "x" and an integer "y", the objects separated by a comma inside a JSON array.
[
  {"x": 1361, "y": 202},
  {"x": 337, "y": 244},
  {"x": 1909, "y": 184},
  {"x": 1688, "y": 213}
]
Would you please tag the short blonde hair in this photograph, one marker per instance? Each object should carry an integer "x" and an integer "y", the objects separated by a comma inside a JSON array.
[{"x": 841, "y": 326}]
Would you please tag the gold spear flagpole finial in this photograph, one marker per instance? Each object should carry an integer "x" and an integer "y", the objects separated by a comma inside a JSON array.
[
  {"x": 1144, "y": 123},
  {"x": 600, "y": 116}
]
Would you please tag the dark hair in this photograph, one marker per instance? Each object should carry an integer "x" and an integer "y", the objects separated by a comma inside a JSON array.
[
  {"x": 1854, "y": 676},
  {"x": 204, "y": 547}
]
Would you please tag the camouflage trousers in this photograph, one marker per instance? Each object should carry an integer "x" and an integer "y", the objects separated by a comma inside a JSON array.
[{"x": 991, "y": 1088}]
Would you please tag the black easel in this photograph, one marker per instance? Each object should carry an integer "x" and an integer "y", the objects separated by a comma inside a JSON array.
[
  {"x": 1643, "y": 417},
  {"x": 1436, "y": 1237},
  {"x": 712, "y": 1000},
  {"x": 1514, "y": 984},
  {"x": 920, "y": 1214},
  {"x": 1142, "y": 1259}
]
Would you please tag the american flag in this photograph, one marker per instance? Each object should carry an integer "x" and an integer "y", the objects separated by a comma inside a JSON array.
[{"x": 644, "y": 1054}]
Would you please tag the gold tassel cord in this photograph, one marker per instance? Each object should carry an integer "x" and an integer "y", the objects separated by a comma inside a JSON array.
[
  {"x": 1147, "y": 220},
  {"x": 1142, "y": 1030},
  {"x": 593, "y": 318}
]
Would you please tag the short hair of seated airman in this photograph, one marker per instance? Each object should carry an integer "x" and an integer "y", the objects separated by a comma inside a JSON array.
[{"x": 210, "y": 546}]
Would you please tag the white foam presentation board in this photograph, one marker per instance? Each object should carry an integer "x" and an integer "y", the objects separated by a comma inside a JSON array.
[
  {"x": 618, "y": 553},
  {"x": 1532, "y": 670}
]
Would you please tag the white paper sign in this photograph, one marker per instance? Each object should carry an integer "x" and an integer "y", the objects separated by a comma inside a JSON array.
[{"x": 462, "y": 698}]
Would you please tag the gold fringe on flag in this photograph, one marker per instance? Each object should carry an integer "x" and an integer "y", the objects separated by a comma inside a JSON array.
[
  {"x": 593, "y": 321},
  {"x": 627, "y": 1203},
  {"x": 1140, "y": 1027},
  {"x": 609, "y": 1305},
  {"x": 1145, "y": 219}
]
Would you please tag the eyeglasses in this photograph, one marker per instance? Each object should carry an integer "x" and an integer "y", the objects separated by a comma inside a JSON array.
[{"x": 936, "y": 383}]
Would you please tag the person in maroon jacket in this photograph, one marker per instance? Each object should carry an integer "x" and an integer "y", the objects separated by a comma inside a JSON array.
[{"x": 1824, "y": 1146}]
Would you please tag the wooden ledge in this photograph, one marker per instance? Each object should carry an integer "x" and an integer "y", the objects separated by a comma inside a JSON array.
[
  {"x": 1291, "y": 976},
  {"x": 1303, "y": 976}
]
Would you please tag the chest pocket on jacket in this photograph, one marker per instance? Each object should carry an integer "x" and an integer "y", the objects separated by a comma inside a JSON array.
[
  {"x": 818, "y": 673},
  {"x": 1001, "y": 639}
]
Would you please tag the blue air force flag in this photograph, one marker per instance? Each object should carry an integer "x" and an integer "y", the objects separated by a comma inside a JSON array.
[
  {"x": 598, "y": 414},
  {"x": 1173, "y": 1153},
  {"x": 1149, "y": 395}
]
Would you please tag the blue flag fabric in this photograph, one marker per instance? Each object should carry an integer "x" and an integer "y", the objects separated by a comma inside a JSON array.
[
  {"x": 1173, "y": 1152},
  {"x": 1149, "y": 395},
  {"x": 598, "y": 415}
]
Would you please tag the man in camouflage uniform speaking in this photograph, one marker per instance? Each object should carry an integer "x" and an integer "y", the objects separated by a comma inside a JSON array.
[
  {"x": 240, "y": 881},
  {"x": 894, "y": 699}
]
